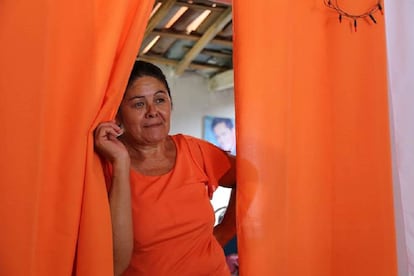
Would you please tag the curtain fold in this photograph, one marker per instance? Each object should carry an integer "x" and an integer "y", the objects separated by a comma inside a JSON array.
[
  {"x": 64, "y": 69},
  {"x": 314, "y": 163}
]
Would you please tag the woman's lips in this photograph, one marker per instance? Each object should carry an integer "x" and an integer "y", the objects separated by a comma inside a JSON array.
[{"x": 153, "y": 125}]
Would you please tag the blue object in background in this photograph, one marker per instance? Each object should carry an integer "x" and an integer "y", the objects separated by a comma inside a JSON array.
[{"x": 231, "y": 247}]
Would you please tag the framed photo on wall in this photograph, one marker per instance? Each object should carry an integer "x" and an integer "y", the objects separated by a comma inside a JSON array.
[{"x": 221, "y": 132}]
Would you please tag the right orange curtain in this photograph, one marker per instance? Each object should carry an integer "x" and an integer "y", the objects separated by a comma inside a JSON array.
[{"x": 315, "y": 189}]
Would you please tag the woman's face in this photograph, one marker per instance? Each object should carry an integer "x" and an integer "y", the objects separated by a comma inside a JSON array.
[{"x": 145, "y": 111}]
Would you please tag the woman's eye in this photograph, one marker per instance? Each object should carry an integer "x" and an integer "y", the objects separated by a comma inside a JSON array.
[
  {"x": 139, "y": 104},
  {"x": 160, "y": 100}
]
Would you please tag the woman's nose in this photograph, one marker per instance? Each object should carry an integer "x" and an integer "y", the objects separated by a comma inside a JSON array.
[{"x": 151, "y": 111}]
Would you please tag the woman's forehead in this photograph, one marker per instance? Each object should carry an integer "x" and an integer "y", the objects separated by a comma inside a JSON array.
[{"x": 144, "y": 86}]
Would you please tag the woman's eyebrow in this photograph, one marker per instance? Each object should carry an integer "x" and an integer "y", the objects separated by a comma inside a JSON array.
[
  {"x": 160, "y": 92},
  {"x": 142, "y": 97},
  {"x": 135, "y": 97}
]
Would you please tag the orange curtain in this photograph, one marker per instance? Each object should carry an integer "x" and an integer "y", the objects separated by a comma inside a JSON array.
[
  {"x": 315, "y": 189},
  {"x": 64, "y": 66}
]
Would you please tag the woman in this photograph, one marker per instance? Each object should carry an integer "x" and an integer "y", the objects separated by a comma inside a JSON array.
[{"x": 160, "y": 186}]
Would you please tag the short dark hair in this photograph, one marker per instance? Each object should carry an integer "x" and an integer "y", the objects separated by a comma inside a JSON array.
[
  {"x": 218, "y": 120},
  {"x": 145, "y": 69}
]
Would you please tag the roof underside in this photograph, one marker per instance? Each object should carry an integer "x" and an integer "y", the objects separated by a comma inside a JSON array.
[{"x": 207, "y": 50}]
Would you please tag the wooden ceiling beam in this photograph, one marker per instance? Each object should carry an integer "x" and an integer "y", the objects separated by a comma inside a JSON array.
[
  {"x": 221, "y": 81},
  {"x": 213, "y": 53},
  {"x": 201, "y": 7},
  {"x": 192, "y": 37},
  {"x": 194, "y": 66},
  {"x": 211, "y": 32},
  {"x": 226, "y": 2}
]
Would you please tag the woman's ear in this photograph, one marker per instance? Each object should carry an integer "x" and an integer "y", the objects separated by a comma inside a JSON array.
[{"x": 118, "y": 119}]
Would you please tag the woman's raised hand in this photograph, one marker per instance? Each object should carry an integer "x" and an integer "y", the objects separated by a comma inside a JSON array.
[{"x": 107, "y": 144}]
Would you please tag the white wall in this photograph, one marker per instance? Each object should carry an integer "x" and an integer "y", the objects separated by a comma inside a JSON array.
[
  {"x": 400, "y": 45},
  {"x": 191, "y": 102}
]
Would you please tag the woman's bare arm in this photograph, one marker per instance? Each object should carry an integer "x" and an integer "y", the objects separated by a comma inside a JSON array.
[
  {"x": 121, "y": 215},
  {"x": 110, "y": 148}
]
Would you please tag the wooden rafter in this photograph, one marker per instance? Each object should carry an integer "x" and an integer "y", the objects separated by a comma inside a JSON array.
[
  {"x": 211, "y": 32},
  {"x": 194, "y": 66},
  {"x": 222, "y": 81},
  {"x": 192, "y": 37},
  {"x": 201, "y": 7},
  {"x": 213, "y": 53}
]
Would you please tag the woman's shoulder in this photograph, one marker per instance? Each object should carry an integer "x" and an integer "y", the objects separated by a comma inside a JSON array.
[
  {"x": 190, "y": 139},
  {"x": 196, "y": 146},
  {"x": 185, "y": 139}
]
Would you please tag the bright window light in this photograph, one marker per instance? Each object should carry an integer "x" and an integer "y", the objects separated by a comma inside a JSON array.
[
  {"x": 197, "y": 22},
  {"x": 176, "y": 16},
  {"x": 149, "y": 46}
]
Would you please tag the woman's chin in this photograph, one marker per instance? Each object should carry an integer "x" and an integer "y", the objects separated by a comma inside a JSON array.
[{"x": 156, "y": 138}]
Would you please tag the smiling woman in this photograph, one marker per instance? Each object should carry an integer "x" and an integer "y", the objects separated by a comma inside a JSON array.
[
  {"x": 145, "y": 111},
  {"x": 160, "y": 186}
]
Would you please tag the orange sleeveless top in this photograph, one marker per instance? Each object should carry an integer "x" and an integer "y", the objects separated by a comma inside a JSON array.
[{"x": 173, "y": 217}]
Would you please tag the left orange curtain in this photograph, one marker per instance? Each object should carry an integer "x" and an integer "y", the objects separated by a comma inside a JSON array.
[{"x": 64, "y": 65}]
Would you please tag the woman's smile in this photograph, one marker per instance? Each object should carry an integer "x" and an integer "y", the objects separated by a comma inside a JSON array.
[{"x": 154, "y": 125}]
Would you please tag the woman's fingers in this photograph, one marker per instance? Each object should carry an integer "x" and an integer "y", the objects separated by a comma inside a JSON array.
[
  {"x": 106, "y": 142},
  {"x": 107, "y": 130}
]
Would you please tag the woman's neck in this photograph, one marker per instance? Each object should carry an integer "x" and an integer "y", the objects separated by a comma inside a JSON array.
[{"x": 153, "y": 159}]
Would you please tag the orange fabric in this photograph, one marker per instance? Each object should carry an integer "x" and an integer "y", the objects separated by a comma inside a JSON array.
[
  {"x": 64, "y": 68},
  {"x": 173, "y": 217},
  {"x": 314, "y": 192}
]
